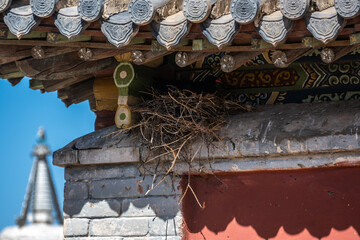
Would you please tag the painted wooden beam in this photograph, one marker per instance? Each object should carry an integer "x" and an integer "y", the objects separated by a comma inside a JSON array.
[
  {"x": 231, "y": 62},
  {"x": 282, "y": 59},
  {"x": 183, "y": 59}
]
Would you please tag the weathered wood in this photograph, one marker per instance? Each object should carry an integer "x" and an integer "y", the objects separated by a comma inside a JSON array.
[
  {"x": 32, "y": 67},
  {"x": 81, "y": 69},
  {"x": 15, "y": 81},
  {"x": 232, "y": 62},
  {"x": 12, "y": 53},
  {"x": 54, "y": 85},
  {"x": 329, "y": 55},
  {"x": 39, "y": 52},
  {"x": 8, "y": 68},
  {"x": 140, "y": 58},
  {"x": 283, "y": 59},
  {"x": 240, "y": 48},
  {"x": 88, "y": 54},
  {"x": 104, "y": 119},
  {"x": 36, "y": 84},
  {"x": 183, "y": 59},
  {"x": 77, "y": 93}
]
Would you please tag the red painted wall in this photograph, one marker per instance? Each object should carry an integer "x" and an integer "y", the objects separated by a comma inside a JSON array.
[{"x": 302, "y": 204}]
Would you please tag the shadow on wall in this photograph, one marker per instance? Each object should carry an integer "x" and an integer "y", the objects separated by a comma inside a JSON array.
[
  {"x": 121, "y": 198},
  {"x": 316, "y": 200}
]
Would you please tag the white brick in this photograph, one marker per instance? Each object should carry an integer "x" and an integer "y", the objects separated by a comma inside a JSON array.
[
  {"x": 96, "y": 238},
  {"x": 92, "y": 208},
  {"x": 125, "y": 227},
  {"x": 165, "y": 227},
  {"x": 76, "y": 227}
]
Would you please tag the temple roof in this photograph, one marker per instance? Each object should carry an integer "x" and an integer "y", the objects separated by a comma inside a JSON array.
[{"x": 171, "y": 21}]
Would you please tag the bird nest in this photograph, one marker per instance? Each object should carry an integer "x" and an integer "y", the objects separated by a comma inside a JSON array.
[{"x": 170, "y": 122}]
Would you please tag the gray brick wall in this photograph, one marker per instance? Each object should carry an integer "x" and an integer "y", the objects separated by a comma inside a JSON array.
[{"x": 108, "y": 202}]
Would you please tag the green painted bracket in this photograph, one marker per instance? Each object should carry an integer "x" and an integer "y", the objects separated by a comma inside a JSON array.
[
  {"x": 201, "y": 44},
  {"x": 354, "y": 38},
  {"x": 311, "y": 42},
  {"x": 12, "y": 75},
  {"x": 58, "y": 38},
  {"x": 260, "y": 44}
]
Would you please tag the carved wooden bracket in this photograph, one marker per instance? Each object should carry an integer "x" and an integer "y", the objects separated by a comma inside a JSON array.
[
  {"x": 325, "y": 25},
  {"x": 231, "y": 62},
  {"x": 274, "y": 28},
  {"x": 90, "y": 10},
  {"x": 183, "y": 59},
  {"x": 143, "y": 57},
  {"x": 221, "y": 31},
  {"x": 69, "y": 22},
  {"x": 143, "y": 11},
  {"x": 4, "y": 5},
  {"x": 294, "y": 9},
  {"x": 170, "y": 31},
  {"x": 347, "y": 8},
  {"x": 119, "y": 29},
  {"x": 327, "y": 55},
  {"x": 43, "y": 8},
  {"x": 244, "y": 11},
  {"x": 197, "y": 10},
  {"x": 21, "y": 20},
  {"x": 282, "y": 59}
]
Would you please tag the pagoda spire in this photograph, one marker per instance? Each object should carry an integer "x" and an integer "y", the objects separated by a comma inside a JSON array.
[{"x": 40, "y": 197}]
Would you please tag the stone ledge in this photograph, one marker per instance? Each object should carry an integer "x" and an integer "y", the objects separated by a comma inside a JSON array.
[{"x": 275, "y": 131}]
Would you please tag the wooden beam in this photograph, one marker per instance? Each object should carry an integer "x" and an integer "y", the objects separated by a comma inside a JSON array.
[
  {"x": 140, "y": 58},
  {"x": 183, "y": 59},
  {"x": 39, "y": 52},
  {"x": 92, "y": 54},
  {"x": 15, "y": 81},
  {"x": 81, "y": 69},
  {"x": 77, "y": 93},
  {"x": 240, "y": 48},
  {"x": 32, "y": 67},
  {"x": 282, "y": 59},
  {"x": 329, "y": 55},
  {"x": 233, "y": 61},
  {"x": 50, "y": 86},
  {"x": 13, "y": 53}
]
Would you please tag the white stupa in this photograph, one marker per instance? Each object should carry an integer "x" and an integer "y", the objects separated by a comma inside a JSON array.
[{"x": 36, "y": 219}]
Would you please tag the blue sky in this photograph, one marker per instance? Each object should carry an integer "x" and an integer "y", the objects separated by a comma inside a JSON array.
[{"x": 22, "y": 111}]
